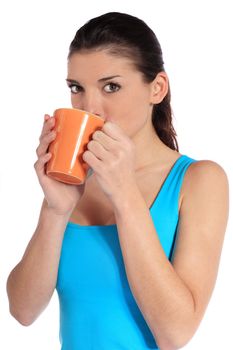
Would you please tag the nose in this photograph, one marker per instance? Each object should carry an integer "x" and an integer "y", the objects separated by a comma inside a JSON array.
[{"x": 91, "y": 102}]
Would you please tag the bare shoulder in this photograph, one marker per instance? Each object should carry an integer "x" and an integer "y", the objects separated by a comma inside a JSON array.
[
  {"x": 206, "y": 174},
  {"x": 205, "y": 195},
  {"x": 201, "y": 228}
]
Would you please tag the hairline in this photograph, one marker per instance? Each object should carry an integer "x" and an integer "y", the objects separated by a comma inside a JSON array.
[{"x": 119, "y": 50}]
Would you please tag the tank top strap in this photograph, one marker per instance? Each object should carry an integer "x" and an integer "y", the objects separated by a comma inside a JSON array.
[
  {"x": 168, "y": 197},
  {"x": 165, "y": 209},
  {"x": 176, "y": 176}
]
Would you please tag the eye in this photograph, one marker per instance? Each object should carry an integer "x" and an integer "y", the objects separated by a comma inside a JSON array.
[
  {"x": 111, "y": 87},
  {"x": 75, "y": 89}
]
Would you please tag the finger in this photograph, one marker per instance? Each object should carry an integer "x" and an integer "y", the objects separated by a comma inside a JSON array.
[
  {"x": 46, "y": 117},
  {"x": 113, "y": 130},
  {"x": 105, "y": 140},
  {"x": 48, "y": 125},
  {"x": 44, "y": 143},
  {"x": 98, "y": 150},
  {"x": 92, "y": 161},
  {"x": 90, "y": 172},
  {"x": 40, "y": 163}
]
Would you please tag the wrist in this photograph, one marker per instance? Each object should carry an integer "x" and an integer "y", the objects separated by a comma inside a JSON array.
[
  {"x": 52, "y": 214},
  {"x": 124, "y": 200}
]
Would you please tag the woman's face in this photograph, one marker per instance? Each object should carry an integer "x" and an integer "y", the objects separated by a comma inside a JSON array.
[{"x": 110, "y": 87}]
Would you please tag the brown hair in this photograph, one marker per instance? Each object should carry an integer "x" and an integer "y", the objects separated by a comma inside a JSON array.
[{"x": 128, "y": 36}]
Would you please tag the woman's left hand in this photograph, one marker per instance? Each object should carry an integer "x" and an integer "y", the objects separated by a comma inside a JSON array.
[{"x": 111, "y": 155}]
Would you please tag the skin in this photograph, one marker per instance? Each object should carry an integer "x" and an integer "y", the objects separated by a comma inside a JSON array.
[
  {"x": 128, "y": 108},
  {"x": 173, "y": 295}
]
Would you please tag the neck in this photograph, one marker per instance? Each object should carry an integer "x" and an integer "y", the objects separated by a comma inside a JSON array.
[{"x": 150, "y": 149}]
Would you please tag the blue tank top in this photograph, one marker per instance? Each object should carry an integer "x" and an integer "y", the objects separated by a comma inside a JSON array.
[{"x": 97, "y": 308}]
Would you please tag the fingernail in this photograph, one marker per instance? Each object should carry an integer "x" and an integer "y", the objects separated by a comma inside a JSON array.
[{"x": 90, "y": 172}]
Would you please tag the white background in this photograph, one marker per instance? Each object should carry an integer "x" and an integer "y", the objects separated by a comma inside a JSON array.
[{"x": 196, "y": 39}]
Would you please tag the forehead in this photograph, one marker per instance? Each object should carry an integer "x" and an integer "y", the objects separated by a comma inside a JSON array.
[{"x": 99, "y": 62}]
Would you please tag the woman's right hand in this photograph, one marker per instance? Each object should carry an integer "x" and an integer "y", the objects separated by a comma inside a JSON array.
[{"x": 61, "y": 198}]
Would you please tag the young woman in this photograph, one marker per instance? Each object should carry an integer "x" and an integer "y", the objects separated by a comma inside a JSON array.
[{"x": 134, "y": 252}]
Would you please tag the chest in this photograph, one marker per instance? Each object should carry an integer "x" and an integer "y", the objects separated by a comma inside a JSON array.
[{"x": 94, "y": 208}]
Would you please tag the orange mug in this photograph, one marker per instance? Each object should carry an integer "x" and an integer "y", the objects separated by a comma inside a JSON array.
[{"x": 74, "y": 128}]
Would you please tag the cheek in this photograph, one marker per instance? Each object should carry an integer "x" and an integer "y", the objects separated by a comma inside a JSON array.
[
  {"x": 132, "y": 120},
  {"x": 74, "y": 102},
  {"x": 132, "y": 115}
]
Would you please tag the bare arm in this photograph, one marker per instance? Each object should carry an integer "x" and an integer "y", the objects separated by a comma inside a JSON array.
[
  {"x": 31, "y": 283},
  {"x": 173, "y": 296}
]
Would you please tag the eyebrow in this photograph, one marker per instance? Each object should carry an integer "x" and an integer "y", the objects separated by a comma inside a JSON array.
[{"x": 100, "y": 80}]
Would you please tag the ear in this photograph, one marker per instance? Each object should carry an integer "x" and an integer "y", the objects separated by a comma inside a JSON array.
[{"x": 159, "y": 88}]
